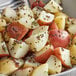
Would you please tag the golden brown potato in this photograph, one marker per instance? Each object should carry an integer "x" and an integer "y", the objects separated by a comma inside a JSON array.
[
  {"x": 60, "y": 21},
  {"x": 73, "y": 53},
  {"x": 8, "y": 65}
]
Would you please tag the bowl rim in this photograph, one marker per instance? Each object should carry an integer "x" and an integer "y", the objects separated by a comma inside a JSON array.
[{"x": 65, "y": 72}]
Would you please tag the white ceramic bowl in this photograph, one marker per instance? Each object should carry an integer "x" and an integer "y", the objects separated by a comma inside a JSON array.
[{"x": 66, "y": 73}]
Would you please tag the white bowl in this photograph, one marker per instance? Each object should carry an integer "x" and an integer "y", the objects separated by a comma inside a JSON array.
[{"x": 67, "y": 72}]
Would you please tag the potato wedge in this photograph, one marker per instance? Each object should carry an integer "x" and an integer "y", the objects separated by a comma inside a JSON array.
[
  {"x": 8, "y": 66},
  {"x": 23, "y": 72},
  {"x": 37, "y": 10},
  {"x": 73, "y": 53},
  {"x": 53, "y": 7},
  {"x": 72, "y": 29},
  {"x": 54, "y": 65},
  {"x": 45, "y": 18},
  {"x": 37, "y": 42},
  {"x": 40, "y": 30},
  {"x": 17, "y": 49},
  {"x": 60, "y": 21},
  {"x": 43, "y": 55},
  {"x": 26, "y": 17},
  {"x": 24, "y": 11},
  {"x": 71, "y": 25},
  {"x": 9, "y": 14},
  {"x": 38, "y": 39},
  {"x": 29, "y": 23},
  {"x": 42, "y": 70},
  {"x": 64, "y": 56}
]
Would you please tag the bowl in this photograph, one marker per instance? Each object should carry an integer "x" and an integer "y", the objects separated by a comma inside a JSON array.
[{"x": 66, "y": 73}]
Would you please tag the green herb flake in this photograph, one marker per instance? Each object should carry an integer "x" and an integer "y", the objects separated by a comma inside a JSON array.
[
  {"x": 74, "y": 57},
  {"x": 46, "y": 72},
  {"x": 49, "y": 10},
  {"x": 34, "y": 23},
  {"x": 20, "y": 46}
]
